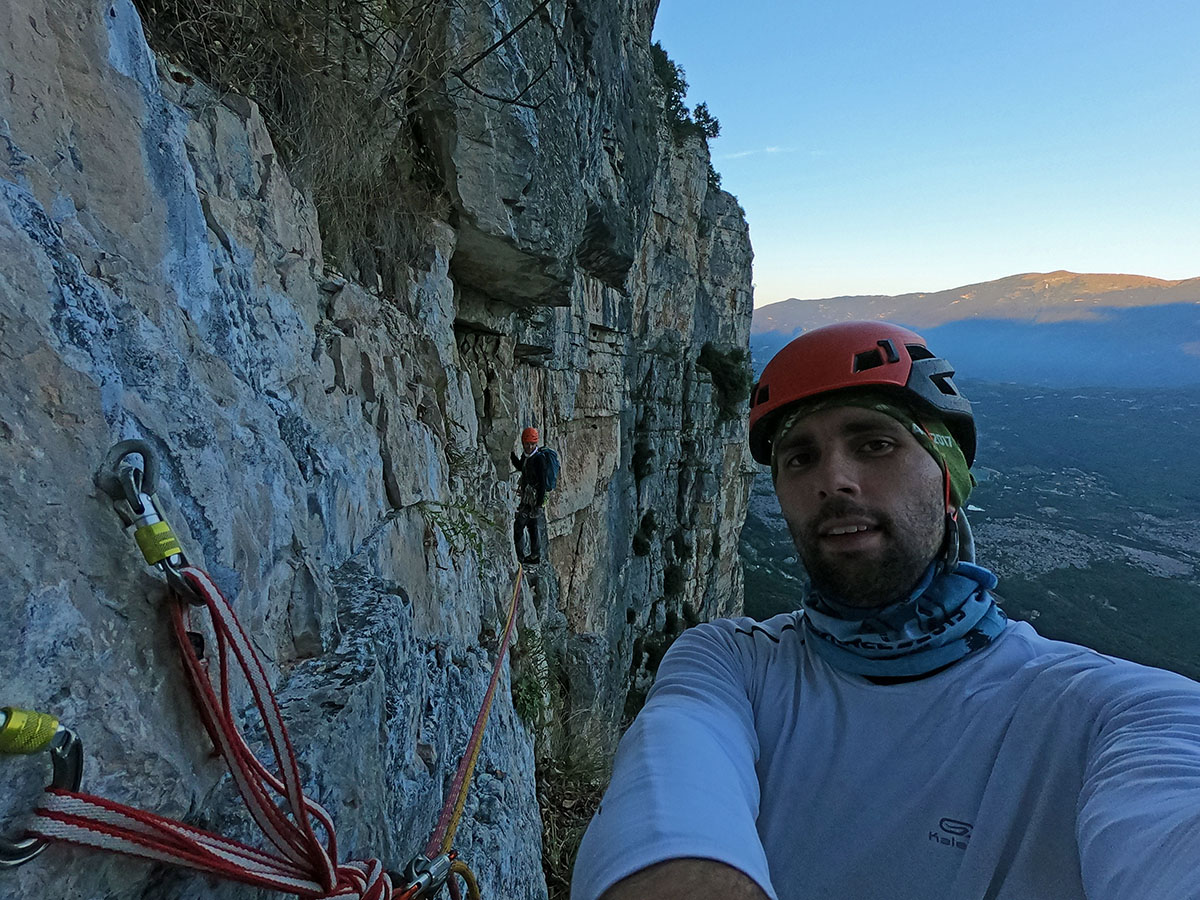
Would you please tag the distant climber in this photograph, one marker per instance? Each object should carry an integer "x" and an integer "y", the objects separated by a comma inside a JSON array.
[{"x": 539, "y": 473}]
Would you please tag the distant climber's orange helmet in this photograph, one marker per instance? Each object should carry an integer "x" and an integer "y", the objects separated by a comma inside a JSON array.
[
  {"x": 878, "y": 355},
  {"x": 530, "y": 436}
]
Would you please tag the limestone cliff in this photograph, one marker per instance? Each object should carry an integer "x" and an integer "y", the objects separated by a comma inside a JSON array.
[{"x": 335, "y": 452}]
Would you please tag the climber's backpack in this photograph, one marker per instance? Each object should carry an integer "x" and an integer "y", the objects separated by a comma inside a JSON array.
[{"x": 552, "y": 467}]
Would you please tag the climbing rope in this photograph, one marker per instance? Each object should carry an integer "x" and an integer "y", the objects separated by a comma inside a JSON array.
[
  {"x": 23, "y": 731},
  {"x": 296, "y": 860},
  {"x": 443, "y": 835}
]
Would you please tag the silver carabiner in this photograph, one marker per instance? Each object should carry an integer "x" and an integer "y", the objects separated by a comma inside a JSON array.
[
  {"x": 425, "y": 874},
  {"x": 125, "y": 483},
  {"x": 23, "y": 731},
  {"x": 132, "y": 490}
]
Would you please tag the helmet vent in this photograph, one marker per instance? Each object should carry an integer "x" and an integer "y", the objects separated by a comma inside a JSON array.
[
  {"x": 868, "y": 359},
  {"x": 945, "y": 385},
  {"x": 916, "y": 351},
  {"x": 760, "y": 395}
]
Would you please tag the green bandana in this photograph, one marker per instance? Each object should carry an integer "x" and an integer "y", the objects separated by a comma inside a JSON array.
[{"x": 929, "y": 430}]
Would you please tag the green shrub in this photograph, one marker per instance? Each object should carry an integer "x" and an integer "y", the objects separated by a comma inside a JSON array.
[
  {"x": 682, "y": 547},
  {"x": 714, "y": 178},
  {"x": 643, "y": 538},
  {"x": 533, "y": 688},
  {"x": 464, "y": 526},
  {"x": 731, "y": 377},
  {"x": 705, "y": 121},
  {"x": 573, "y": 770},
  {"x": 643, "y": 460},
  {"x": 673, "y": 581},
  {"x": 573, "y": 755},
  {"x": 340, "y": 85},
  {"x": 529, "y": 700}
]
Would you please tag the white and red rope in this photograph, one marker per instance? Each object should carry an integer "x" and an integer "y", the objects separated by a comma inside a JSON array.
[{"x": 297, "y": 862}]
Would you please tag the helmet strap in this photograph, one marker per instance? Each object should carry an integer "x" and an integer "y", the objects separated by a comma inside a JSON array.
[{"x": 950, "y": 544}]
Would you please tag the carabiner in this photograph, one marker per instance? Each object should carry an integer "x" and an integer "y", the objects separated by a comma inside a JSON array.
[
  {"x": 424, "y": 877},
  {"x": 24, "y": 732},
  {"x": 134, "y": 498},
  {"x": 144, "y": 480}
]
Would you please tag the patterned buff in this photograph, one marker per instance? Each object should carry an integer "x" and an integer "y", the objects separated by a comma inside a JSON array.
[{"x": 946, "y": 617}]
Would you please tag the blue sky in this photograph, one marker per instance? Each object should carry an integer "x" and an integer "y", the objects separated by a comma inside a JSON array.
[{"x": 888, "y": 146}]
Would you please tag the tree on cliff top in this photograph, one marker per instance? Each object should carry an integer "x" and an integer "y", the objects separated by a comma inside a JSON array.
[{"x": 673, "y": 80}]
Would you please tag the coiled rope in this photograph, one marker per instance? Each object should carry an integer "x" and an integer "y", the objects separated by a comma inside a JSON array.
[{"x": 296, "y": 860}]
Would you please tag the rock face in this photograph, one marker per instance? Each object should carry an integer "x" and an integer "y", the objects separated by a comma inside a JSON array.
[{"x": 337, "y": 459}]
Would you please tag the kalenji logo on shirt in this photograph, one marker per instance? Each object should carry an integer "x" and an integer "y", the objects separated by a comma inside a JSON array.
[{"x": 952, "y": 833}]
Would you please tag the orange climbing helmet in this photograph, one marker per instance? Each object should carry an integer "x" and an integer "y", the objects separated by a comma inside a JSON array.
[
  {"x": 530, "y": 436},
  {"x": 851, "y": 355}
]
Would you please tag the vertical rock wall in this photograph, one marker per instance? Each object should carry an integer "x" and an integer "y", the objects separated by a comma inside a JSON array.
[{"x": 337, "y": 458}]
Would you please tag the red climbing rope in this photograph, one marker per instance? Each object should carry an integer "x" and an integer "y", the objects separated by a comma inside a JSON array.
[
  {"x": 296, "y": 861},
  {"x": 442, "y": 838},
  {"x": 443, "y": 834}
]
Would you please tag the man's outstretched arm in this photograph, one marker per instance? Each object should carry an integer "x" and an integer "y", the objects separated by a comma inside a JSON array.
[
  {"x": 686, "y": 879},
  {"x": 684, "y": 785}
]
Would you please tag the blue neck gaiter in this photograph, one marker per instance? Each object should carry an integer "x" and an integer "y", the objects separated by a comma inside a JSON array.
[{"x": 947, "y": 616}]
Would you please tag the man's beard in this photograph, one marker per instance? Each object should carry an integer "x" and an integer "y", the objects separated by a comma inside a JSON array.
[{"x": 911, "y": 541}]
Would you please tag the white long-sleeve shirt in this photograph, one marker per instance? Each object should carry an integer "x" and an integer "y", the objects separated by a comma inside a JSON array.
[{"x": 1032, "y": 770}]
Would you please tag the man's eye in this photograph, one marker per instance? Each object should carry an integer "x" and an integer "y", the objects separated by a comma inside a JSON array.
[
  {"x": 878, "y": 446},
  {"x": 798, "y": 459}
]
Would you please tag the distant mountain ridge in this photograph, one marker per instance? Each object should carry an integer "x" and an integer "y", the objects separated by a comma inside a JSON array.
[
  {"x": 1038, "y": 296},
  {"x": 1053, "y": 328}
]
